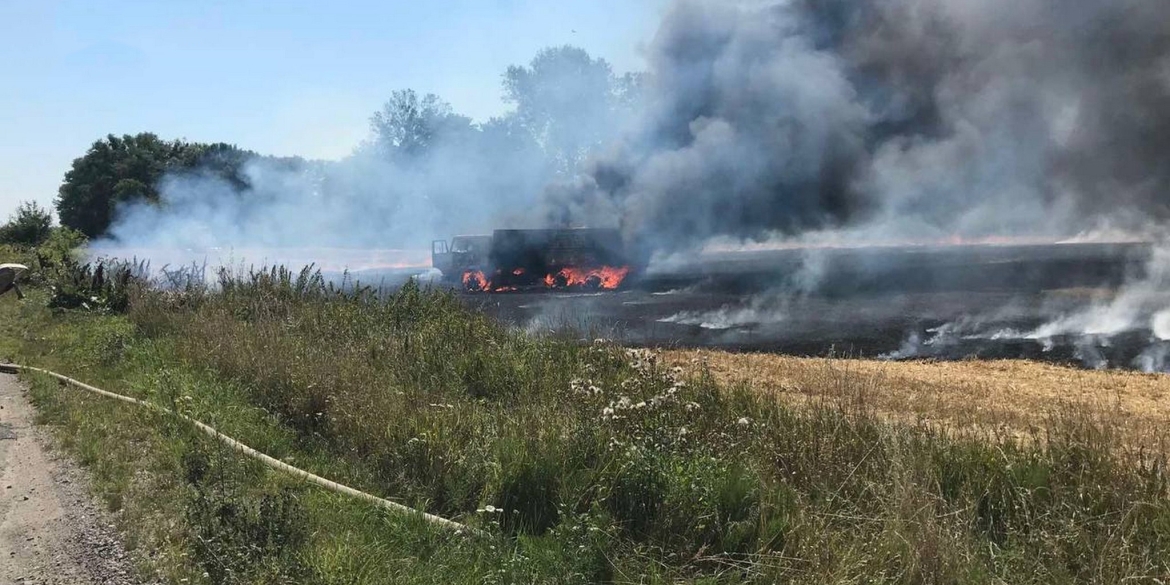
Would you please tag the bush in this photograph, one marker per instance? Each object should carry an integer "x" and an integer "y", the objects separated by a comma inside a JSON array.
[
  {"x": 102, "y": 286},
  {"x": 241, "y": 537},
  {"x": 62, "y": 246},
  {"x": 30, "y": 225}
]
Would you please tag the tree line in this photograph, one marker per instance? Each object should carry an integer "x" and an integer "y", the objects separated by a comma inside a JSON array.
[{"x": 564, "y": 103}]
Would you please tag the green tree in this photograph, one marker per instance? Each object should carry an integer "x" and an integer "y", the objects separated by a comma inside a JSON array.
[
  {"x": 569, "y": 101},
  {"x": 408, "y": 125},
  {"x": 221, "y": 159},
  {"x": 113, "y": 170},
  {"x": 120, "y": 169},
  {"x": 30, "y": 225}
]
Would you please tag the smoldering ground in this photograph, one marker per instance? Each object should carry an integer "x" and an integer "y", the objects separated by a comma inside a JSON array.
[
  {"x": 1124, "y": 326},
  {"x": 944, "y": 302}
]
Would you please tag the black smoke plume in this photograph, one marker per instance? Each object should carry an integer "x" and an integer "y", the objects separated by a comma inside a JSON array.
[{"x": 923, "y": 117}]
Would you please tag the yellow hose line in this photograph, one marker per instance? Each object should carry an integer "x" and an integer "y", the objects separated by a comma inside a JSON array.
[{"x": 250, "y": 452}]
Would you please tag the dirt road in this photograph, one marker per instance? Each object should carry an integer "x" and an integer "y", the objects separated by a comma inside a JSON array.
[{"x": 51, "y": 531}]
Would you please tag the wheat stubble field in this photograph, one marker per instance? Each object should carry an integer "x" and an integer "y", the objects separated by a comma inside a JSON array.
[{"x": 1012, "y": 396}]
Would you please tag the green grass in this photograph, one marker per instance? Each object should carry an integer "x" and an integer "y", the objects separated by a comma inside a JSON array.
[{"x": 584, "y": 462}]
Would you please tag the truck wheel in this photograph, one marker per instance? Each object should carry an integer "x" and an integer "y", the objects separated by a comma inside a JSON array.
[{"x": 474, "y": 283}]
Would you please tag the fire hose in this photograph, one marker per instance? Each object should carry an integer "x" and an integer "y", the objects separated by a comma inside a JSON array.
[{"x": 250, "y": 452}]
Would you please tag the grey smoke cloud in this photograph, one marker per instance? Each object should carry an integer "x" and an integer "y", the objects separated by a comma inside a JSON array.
[{"x": 925, "y": 116}]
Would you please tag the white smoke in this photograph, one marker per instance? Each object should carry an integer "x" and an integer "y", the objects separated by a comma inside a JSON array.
[
  {"x": 1142, "y": 304},
  {"x": 1140, "y": 307},
  {"x": 360, "y": 202}
]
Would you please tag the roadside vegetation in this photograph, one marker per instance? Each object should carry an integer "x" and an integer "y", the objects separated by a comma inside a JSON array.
[
  {"x": 29, "y": 225},
  {"x": 583, "y": 461}
]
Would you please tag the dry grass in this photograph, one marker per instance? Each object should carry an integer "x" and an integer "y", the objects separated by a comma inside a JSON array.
[{"x": 1009, "y": 395}]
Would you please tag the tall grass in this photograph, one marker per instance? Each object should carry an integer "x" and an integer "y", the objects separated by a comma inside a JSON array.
[{"x": 589, "y": 462}]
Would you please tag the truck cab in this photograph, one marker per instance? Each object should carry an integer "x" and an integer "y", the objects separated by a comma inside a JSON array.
[{"x": 461, "y": 254}]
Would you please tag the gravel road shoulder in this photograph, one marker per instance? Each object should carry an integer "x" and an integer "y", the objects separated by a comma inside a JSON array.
[{"x": 51, "y": 530}]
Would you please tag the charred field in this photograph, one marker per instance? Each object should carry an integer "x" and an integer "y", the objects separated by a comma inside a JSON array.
[{"x": 944, "y": 302}]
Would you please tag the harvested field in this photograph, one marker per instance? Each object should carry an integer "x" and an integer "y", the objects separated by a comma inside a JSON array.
[{"x": 1012, "y": 396}]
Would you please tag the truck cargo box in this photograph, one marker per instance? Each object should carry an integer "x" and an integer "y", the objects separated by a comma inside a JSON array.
[{"x": 515, "y": 259}]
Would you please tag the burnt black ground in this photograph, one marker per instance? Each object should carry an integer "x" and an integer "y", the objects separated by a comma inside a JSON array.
[{"x": 862, "y": 302}]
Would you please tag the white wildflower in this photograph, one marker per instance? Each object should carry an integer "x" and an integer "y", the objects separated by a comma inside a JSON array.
[{"x": 743, "y": 421}]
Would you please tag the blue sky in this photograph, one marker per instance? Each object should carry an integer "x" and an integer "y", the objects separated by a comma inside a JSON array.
[{"x": 285, "y": 78}]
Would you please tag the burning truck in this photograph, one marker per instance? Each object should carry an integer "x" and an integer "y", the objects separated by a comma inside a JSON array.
[{"x": 533, "y": 259}]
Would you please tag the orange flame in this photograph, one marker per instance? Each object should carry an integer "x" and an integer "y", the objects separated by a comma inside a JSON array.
[
  {"x": 602, "y": 278},
  {"x": 605, "y": 277},
  {"x": 475, "y": 280}
]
